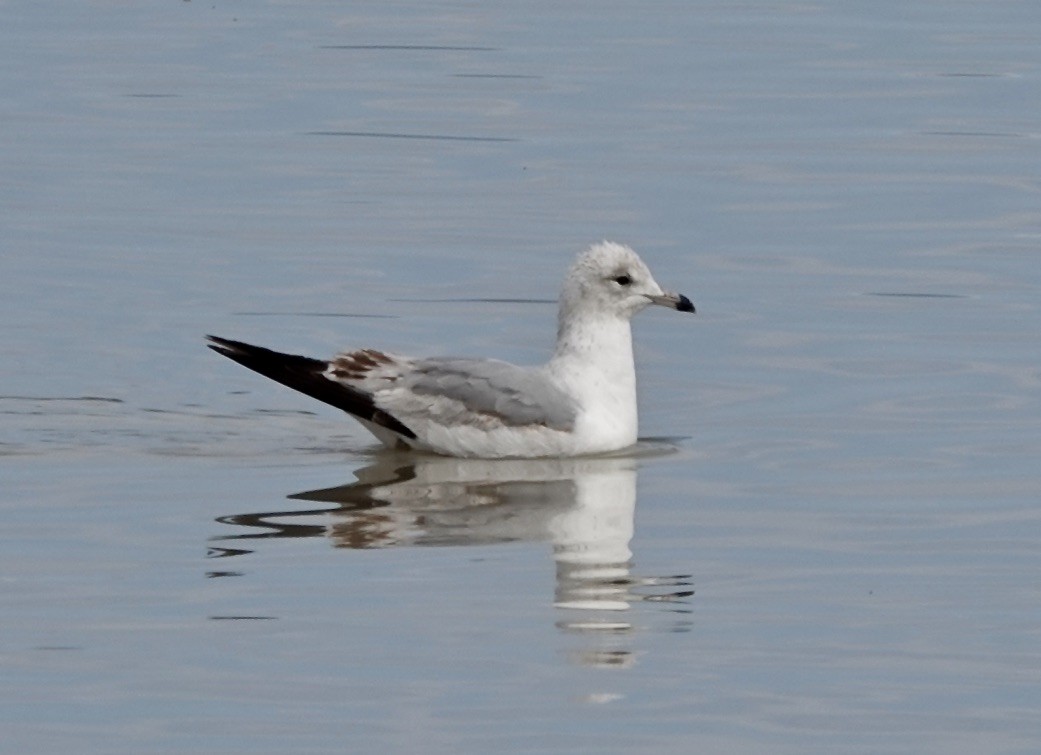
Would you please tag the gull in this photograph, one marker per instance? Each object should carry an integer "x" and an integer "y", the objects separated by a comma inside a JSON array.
[{"x": 581, "y": 402}]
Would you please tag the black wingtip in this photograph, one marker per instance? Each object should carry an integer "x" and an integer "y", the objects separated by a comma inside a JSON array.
[
  {"x": 226, "y": 346},
  {"x": 218, "y": 344},
  {"x": 685, "y": 304},
  {"x": 307, "y": 376}
]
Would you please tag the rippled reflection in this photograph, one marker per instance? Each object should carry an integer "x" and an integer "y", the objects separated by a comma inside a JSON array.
[{"x": 583, "y": 507}]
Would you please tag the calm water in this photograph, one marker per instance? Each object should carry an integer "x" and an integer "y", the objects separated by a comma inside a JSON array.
[{"x": 828, "y": 540}]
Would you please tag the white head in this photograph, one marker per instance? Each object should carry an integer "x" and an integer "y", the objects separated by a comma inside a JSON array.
[{"x": 610, "y": 278}]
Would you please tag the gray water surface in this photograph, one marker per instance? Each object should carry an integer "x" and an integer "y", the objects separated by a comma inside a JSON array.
[{"x": 827, "y": 540}]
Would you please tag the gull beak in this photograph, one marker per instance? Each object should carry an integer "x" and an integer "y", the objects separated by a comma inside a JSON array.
[{"x": 673, "y": 301}]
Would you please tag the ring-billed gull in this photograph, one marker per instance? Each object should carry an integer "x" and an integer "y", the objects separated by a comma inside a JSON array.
[{"x": 582, "y": 401}]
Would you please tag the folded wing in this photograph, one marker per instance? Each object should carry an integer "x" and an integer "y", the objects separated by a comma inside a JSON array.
[
  {"x": 491, "y": 392},
  {"x": 411, "y": 397}
]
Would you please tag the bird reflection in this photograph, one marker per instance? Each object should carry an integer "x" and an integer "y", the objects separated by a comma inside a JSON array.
[{"x": 583, "y": 507}]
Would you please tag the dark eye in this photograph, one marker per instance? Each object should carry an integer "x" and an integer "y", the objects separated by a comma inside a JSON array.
[{"x": 623, "y": 280}]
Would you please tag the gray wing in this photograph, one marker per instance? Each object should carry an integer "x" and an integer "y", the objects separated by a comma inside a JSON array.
[{"x": 514, "y": 395}]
